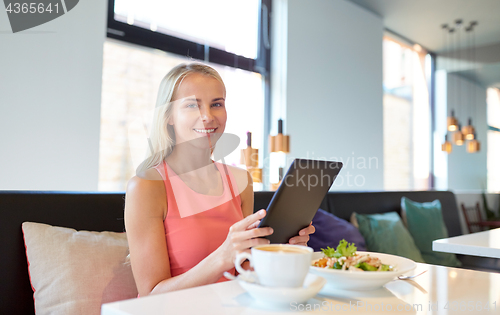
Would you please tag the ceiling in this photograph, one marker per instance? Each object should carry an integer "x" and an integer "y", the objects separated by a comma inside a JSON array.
[{"x": 420, "y": 21}]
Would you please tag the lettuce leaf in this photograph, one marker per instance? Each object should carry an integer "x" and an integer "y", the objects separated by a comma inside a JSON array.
[
  {"x": 328, "y": 252},
  {"x": 343, "y": 249},
  {"x": 346, "y": 249}
]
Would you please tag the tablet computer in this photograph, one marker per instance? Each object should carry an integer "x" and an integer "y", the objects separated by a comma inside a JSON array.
[{"x": 298, "y": 197}]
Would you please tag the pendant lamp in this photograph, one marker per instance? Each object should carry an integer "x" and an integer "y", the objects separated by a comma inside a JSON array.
[
  {"x": 280, "y": 142},
  {"x": 256, "y": 174},
  {"x": 250, "y": 157},
  {"x": 446, "y": 146},
  {"x": 452, "y": 122},
  {"x": 473, "y": 146},
  {"x": 469, "y": 131},
  {"x": 458, "y": 136}
]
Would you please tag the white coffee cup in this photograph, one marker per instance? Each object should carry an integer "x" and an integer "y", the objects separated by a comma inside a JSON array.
[{"x": 277, "y": 265}]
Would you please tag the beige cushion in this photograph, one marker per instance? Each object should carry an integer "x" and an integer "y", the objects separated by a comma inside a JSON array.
[
  {"x": 74, "y": 272},
  {"x": 354, "y": 220}
]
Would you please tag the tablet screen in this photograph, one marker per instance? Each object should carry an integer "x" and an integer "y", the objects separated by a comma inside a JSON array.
[{"x": 298, "y": 197}]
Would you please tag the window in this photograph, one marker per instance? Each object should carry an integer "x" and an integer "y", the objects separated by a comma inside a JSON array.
[
  {"x": 231, "y": 33},
  {"x": 224, "y": 24},
  {"x": 142, "y": 46},
  {"x": 493, "y": 151},
  {"x": 407, "y": 118}
]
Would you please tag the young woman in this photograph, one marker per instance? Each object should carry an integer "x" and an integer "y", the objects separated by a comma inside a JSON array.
[{"x": 187, "y": 216}]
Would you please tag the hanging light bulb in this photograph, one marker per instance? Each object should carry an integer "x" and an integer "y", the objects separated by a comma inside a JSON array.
[
  {"x": 473, "y": 146},
  {"x": 458, "y": 136},
  {"x": 446, "y": 146},
  {"x": 452, "y": 122},
  {"x": 468, "y": 131}
]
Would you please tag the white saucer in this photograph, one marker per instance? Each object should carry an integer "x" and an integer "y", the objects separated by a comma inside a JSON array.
[{"x": 284, "y": 296}]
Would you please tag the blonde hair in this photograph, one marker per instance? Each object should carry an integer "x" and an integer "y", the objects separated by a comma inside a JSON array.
[{"x": 162, "y": 138}]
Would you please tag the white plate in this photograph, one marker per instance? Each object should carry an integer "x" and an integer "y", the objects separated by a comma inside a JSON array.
[
  {"x": 284, "y": 296},
  {"x": 368, "y": 280}
]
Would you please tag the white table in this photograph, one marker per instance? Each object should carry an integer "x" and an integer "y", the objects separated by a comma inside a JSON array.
[
  {"x": 486, "y": 244},
  {"x": 441, "y": 290}
]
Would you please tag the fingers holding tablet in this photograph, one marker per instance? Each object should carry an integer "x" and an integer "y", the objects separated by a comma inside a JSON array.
[{"x": 303, "y": 236}]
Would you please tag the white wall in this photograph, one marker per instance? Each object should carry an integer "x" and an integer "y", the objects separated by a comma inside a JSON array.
[
  {"x": 467, "y": 171},
  {"x": 50, "y": 98},
  {"x": 334, "y": 89}
]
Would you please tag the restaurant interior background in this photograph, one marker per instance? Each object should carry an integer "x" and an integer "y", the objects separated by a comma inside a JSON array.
[{"x": 352, "y": 80}]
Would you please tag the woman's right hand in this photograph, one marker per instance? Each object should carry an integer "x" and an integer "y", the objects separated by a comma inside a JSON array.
[{"x": 242, "y": 236}]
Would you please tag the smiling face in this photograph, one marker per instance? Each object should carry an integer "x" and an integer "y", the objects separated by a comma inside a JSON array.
[{"x": 199, "y": 111}]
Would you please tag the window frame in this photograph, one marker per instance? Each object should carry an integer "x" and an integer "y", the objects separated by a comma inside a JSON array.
[
  {"x": 144, "y": 37},
  {"x": 432, "y": 105},
  {"x": 262, "y": 64},
  {"x": 488, "y": 129},
  {"x": 431, "y": 85}
]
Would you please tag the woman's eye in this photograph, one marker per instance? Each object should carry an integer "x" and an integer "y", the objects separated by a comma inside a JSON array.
[
  {"x": 192, "y": 105},
  {"x": 217, "y": 105}
]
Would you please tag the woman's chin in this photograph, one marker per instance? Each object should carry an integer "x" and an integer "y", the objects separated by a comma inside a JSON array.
[
  {"x": 205, "y": 142},
  {"x": 210, "y": 139}
]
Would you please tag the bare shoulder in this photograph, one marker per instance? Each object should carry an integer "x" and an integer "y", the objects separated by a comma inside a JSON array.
[
  {"x": 148, "y": 182},
  {"x": 237, "y": 172},
  {"x": 146, "y": 193},
  {"x": 149, "y": 174},
  {"x": 242, "y": 177}
]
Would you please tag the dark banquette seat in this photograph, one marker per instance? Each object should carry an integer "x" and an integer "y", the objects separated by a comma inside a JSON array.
[{"x": 104, "y": 212}]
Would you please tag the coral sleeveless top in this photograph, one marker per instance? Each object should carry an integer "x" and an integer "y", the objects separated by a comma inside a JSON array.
[{"x": 197, "y": 224}]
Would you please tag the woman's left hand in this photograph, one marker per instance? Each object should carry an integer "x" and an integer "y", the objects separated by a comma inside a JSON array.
[{"x": 303, "y": 236}]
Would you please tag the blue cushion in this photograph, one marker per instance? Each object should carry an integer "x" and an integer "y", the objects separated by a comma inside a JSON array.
[
  {"x": 385, "y": 233},
  {"x": 330, "y": 230},
  {"x": 425, "y": 223}
]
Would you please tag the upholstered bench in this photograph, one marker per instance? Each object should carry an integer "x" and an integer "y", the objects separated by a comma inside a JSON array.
[{"x": 94, "y": 211}]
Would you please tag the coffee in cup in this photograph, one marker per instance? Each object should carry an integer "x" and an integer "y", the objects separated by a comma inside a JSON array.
[{"x": 277, "y": 265}]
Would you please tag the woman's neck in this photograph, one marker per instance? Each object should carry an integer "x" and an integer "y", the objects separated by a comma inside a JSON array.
[{"x": 185, "y": 159}]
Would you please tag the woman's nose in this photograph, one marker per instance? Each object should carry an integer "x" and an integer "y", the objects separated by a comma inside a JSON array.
[{"x": 206, "y": 114}]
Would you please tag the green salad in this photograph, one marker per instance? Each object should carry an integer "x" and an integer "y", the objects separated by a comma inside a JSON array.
[{"x": 345, "y": 257}]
